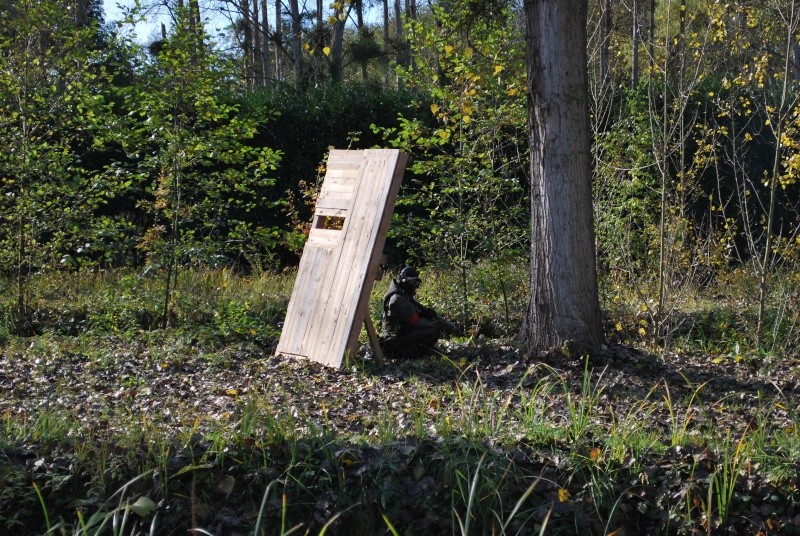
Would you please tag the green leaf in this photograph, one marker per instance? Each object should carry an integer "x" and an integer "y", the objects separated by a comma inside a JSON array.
[{"x": 143, "y": 507}]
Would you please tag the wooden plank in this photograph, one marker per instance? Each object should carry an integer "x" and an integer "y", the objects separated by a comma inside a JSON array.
[
  {"x": 331, "y": 294},
  {"x": 385, "y": 200},
  {"x": 366, "y": 217},
  {"x": 373, "y": 340}
]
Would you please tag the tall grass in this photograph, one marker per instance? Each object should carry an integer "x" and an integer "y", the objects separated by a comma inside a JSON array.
[{"x": 299, "y": 455}]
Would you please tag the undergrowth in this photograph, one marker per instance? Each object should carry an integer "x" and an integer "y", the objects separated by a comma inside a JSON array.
[{"x": 510, "y": 444}]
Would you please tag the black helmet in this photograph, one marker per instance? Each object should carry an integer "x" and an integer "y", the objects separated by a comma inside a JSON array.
[{"x": 409, "y": 275}]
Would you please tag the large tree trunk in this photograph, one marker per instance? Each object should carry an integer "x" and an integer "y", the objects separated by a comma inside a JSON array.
[{"x": 564, "y": 309}]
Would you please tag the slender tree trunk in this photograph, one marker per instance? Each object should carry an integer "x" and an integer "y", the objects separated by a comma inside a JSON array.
[
  {"x": 297, "y": 45},
  {"x": 398, "y": 22},
  {"x": 605, "y": 42},
  {"x": 663, "y": 159},
  {"x": 635, "y": 44},
  {"x": 564, "y": 309},
  {"x": 411, "y": 10},
  {"x": 247, "y": 42},
  {"x": 792, "y": 19},
  {"x": 265, "y": 64},
  {"x": 278, "y": 42},
  {"x": 386, "y": 64},
  {"x": 337, "y": 42},
  {"x": 359, "y": 4},
  {"x": 651, "y": 35},
  {"x": 258, "y": 65}
]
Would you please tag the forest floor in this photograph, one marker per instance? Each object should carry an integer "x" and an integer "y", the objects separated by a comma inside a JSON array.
[{"x": 626, "y": 441}]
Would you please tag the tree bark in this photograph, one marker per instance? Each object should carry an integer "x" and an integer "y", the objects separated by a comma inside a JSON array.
[
  {"x": 401, "y": 47},
  {"x": 605, "y": 40},
  {"x": 247, "y": 42},
  {"x": 278, "y": 42},
  {"x": 635, "y": 43},
  {"x": 386, "y": 43},
  {"x": 341, "y": 13},
  {"x": 258, "y": 65},
  {"x": 265, "y": 66},
  {"x": 297, "y": 44},
  {"x": 564, "y": 309},
  {"x": 359, "y": 5}
]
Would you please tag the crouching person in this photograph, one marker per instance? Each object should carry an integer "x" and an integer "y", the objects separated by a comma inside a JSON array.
[{"x": 409, "y": 328}]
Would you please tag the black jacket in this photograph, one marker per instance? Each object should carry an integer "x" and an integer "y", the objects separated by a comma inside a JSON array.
[{"x": 402, "y": 312}]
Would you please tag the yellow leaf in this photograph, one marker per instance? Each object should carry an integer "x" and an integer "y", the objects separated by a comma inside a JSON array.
[
  {"x": 434, "y": 108},
  {"x": 467, "y": 119},
  {"x": 448, "y": 49},
  {"x": 331, "y": 20},
  {"x": 498, "y": 69},
  {"x": 326, "y": 51},
  {"x": 717, "y": 360},
  {"x": 642, "y": 331},
  {"x": 232, "y": 392}
]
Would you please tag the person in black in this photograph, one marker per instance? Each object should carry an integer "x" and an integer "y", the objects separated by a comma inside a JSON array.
[{"x": 409, "y": 328}]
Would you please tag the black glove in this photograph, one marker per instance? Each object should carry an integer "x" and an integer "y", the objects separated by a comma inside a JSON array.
[{"x": 447, "y": 328}]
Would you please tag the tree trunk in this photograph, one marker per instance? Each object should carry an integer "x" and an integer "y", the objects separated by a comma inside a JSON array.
[
  {"x": 564, "y": 309},
  {"x": 398, "y": 22},
  {"x": 278, "y": 42},
  {"x": 258, "y": 65},
  {"x": 359, "y": 4},
  {"x": 411, "y": 11},
  {"x": 635, "y": 44},
  {"x": 386, "y": 63},
  {"x": 605, "y": 41},
  {"x": 651, "y": 36},
  {"x": 337, "y": 41},
  {"x": 265, "y": 66},
  {"x": 297, "y": 45},
  {"x": 247, "y": 42}
]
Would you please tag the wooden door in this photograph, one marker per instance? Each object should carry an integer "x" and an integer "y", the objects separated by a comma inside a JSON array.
[{"x": 340, "y": 260}]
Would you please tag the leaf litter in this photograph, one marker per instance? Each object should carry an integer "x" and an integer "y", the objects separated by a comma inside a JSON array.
[{"x": 218, "y": 423}]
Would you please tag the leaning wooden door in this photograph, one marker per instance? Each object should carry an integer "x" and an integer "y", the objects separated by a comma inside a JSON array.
[{"x": 340, "y": 260}]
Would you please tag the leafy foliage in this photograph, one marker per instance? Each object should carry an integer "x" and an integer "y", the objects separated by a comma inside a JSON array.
[
  {"x": 52, "y": 118},
  {"x": 187, "y": 143},
  {"x": 465, "y": 199}
]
